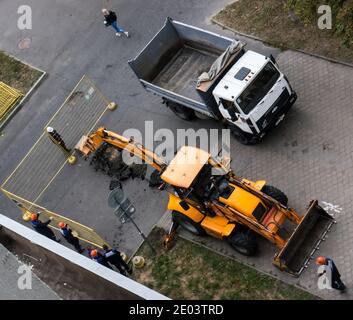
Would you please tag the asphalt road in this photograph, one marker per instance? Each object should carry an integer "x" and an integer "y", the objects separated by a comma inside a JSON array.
[{"x": 68, "y": 40}]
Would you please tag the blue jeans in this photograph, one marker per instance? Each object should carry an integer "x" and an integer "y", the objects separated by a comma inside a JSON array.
[{"x": 117, "y": 27}]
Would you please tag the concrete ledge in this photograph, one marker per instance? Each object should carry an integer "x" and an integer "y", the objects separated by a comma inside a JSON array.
[
  {"x": 297, "y": 50},
  {"x": 20, "y": 104},
  {"x": 71, "y": 275},
  {"x": 9, "y": 266}
]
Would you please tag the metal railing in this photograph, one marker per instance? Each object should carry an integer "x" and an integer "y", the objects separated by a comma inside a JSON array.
[{"x": 8, "y": 99}]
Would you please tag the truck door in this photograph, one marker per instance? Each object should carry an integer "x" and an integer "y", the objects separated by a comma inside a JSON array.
[{"x": 230, "y": 112}]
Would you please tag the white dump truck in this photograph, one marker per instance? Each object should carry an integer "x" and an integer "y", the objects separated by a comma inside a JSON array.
[{"x": 202, "y": 74}]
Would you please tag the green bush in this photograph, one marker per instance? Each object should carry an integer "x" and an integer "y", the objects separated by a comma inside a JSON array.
[
  {"x": 342, "y": 11},
  {"x": 344, "y": 23}
]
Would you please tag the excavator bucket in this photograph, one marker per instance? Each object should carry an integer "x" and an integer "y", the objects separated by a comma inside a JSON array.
[{"x": 305, "y": 240}]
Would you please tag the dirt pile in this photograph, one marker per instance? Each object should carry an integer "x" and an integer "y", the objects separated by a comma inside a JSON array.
[{"x": 109, "y": 160}]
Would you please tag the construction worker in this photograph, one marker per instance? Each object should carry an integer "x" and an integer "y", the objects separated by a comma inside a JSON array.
[
  {"x": 113, "y": 256},
  {"x": 66, "y": 232},
  {"x": 335, "y": 281},
  {"x": 56, "y": 137},
  {"x": 98, "y": 257},
  {"x": 42, "y": 227}
]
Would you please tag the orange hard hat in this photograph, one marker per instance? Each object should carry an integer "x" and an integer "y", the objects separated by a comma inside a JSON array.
[
  {"x": 321, "y": 260},
  {"x": 94, "y": 253},
  {"x": 62, "y": 225},
  {"x": 34, "y": 216}
]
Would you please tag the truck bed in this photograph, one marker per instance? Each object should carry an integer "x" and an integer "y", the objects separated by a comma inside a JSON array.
[
  {"x": 181, "y": 73},
  {"x": 175, "y": 57}
]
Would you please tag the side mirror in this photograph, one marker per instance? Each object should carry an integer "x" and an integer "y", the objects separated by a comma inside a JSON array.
[
  {"x": 272, "y": 58},
  {"x": 184, "y": 205},
  {"x": 234, "y": 116}
]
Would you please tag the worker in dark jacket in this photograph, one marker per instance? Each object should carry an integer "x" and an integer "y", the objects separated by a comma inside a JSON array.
[
  {"x": 66, "y": 232},
  {"x": 98, "y": 257},
  {"x": 113, "y": 256},
  {"x": 335, "y": 281},
  {"x": 42, "y": 227},
  {"x": 110, "y": 19},
  {"x": 56, "y": 137}
]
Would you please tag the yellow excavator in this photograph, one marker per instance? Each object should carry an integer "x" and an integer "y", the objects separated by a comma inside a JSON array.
[{"x": 207, "y": 198}]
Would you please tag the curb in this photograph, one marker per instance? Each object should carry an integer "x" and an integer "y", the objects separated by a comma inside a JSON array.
[
  {"x": 137, "y": 249},
  {"x": 20, "y": 104},
  {"x": 142, "y": 242},
  {"x": 347, "y": 64}
]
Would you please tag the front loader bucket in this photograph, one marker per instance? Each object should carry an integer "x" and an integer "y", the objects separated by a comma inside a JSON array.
[{"x": 305, "y": 240}]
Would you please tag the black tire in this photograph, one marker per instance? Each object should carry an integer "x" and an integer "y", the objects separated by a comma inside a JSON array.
[
  {"x": 201, "y": 116},
  {"x": 242, "y": 137},
  {"x": 181, "y": 112},
  {"x": 243, "y": 242},
  {"x": 276, "y": 194},
  {"x": 188, "y": 224}
]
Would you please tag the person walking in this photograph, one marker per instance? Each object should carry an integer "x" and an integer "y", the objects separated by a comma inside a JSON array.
[
  {"x": 98, "y": 257},
  {"x": 42, "y": 227},
  {"x": 113, "y": 256},
  {"x": 335, "y": 281},
  {"x": 66, "y": 232},
  {"x": 56, "y": 138},
  {"x": 110, "y": 19}
]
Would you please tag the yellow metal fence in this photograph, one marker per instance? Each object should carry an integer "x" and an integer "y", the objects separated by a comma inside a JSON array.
[
  {"x": 83, "y": 232},
  {"x": 8, "y": 98},
  {"x": 77, "y": 116}
]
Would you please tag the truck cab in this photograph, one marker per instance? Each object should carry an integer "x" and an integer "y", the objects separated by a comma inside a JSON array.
[{"x": 254, "y": 96}]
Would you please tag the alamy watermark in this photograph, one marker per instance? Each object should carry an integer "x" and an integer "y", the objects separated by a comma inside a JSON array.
[
  {"x": 165, "y": 143},
  {"x": 24, "y": 281},
  {"x": 325, "y": 276},
  {"x": 325, "y": 20},
  {"x": 24, "y": 21}
]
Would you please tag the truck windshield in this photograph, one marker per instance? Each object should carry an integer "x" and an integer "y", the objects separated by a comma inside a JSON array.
[{"x": 258, "y": 88}]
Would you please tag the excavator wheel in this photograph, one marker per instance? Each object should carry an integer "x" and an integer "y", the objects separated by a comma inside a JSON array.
[
  {"x": 276, "y": 194},
  {"x": 243, "y": 242},
  {"x": 188, "y": 224}
]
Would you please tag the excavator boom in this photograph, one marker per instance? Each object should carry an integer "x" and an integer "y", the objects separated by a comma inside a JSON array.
[{"x": 87, "y": 145}]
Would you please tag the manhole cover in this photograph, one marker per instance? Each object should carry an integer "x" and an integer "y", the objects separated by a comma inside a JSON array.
[{"x": 24, "y": 43}]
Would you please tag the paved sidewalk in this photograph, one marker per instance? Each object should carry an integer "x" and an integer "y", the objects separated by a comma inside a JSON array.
[{"x": 9, "y": 276}]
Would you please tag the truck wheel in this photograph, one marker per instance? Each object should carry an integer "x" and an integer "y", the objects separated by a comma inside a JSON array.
[
  {"x": 243, "y": 242},
  {"x": 242, "y": 137},
  {"x": 201, "y": 116},
  {"x": 188, "y": 224},
  {"x": 180, "y": 111},
  {"x": 276, "y": 194}
]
